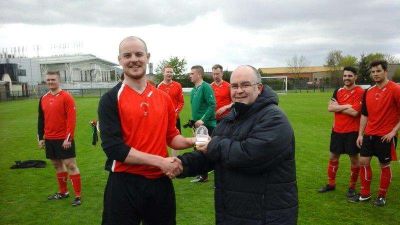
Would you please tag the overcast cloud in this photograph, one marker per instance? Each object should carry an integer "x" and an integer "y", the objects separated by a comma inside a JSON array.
[{"x": 230, "y": 32}]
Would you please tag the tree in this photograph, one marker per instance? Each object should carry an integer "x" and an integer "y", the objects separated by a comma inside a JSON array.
[
  {"x": 179, "y": 67},
  {"x": 363, "y": 70},
  {"x": 333, "y": 61},
  {"x": 396, "y": 75},
  {"x": 296, "y": 65},
  {"x": 348, "y": 60},
  {"x": 227, "y": 76},
  {"x": 374, "y": 56},
  {"x": 365, "y": 60},
  {"x": 334, "y": 58},
  {"x": 391, "y": 59}
]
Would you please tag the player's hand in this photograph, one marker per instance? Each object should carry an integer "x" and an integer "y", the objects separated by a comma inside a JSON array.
[
  {"x": 66, "y": 144},
  {"x": 388, "y": 137},
  {"x": 333, "y": 102},
  {"x": 41, "y": 144},
  {"x": 171, "y": 166},
  {"x": 198, "y": 123},
  {"x": 221, "y": 110},
  {"x": 359, "y": 141}
]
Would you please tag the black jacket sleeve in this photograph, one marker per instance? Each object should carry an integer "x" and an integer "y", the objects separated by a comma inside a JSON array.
[
  {"x": 269, "y": 142},
  {"x": 110, "y": 128},
  {"x": 40, "y": 127},
  {"x": 194, "y": 163}
]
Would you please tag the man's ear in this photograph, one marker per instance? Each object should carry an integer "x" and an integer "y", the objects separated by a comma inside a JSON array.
[{"x": 260, "y": 87}]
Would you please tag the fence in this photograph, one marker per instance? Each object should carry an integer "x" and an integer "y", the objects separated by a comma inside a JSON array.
[
  {"x": 294, "y": 85},
  {"x": 15, "y": 95}
]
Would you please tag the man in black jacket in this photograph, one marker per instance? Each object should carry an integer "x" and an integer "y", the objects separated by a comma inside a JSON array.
[{"x": 252, "y": 152}]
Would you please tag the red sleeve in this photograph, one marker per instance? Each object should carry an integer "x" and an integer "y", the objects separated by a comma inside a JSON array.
[
  {"x": 71, "y": 116},
  {"x": 180, "y": 99},
  {"x": 397, "y": 96},
  {"x": 172, "y": 131},
  {"x": 358, "y": 100}
]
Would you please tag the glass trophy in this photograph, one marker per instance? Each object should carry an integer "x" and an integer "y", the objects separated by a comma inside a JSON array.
[{"x": 201, "y": 135}]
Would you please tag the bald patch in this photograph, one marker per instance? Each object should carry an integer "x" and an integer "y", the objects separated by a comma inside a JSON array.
[
  {"x": 248, "y": 69},
  {"x": 132, "y": 38}
]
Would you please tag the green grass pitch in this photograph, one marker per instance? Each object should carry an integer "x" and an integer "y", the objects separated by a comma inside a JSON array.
[{"x": 23, "y": 193}]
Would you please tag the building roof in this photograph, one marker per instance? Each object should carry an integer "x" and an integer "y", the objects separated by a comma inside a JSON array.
[
  {"x": 72, "y": 59},
  {"x": 289, "y": 70}
]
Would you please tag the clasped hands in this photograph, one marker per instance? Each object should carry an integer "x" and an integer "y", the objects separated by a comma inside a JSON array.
[{"x": 171, "y": 166}]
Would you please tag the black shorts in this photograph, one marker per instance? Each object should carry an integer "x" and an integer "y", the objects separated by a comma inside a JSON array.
[
  {"x": 54, "y": 150},
  {"x": 131, "y": 199},
  {"x": 373, "y": 146},
  {"x": 344, "y": 143}
]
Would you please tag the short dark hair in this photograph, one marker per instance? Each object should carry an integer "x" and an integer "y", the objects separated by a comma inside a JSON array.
[
  {"x": 351, "y": 69},
  {"x": 217, "y": 66},
  {"x": 199, "y": 69},
  {"x": 381, "y": 62},
  {"x": 53, "y": 73}
]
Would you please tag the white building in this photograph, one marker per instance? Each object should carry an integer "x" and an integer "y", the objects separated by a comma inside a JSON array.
[{"x": 80, "y": 71}]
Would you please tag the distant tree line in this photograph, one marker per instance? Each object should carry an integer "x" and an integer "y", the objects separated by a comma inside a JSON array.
[
  {"x": 180, "y": 75},
  {"x": 335, "y": 60}
]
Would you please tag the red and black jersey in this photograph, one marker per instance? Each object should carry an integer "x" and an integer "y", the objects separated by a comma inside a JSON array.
[
  {"x": 382, "y": 107},
  {"x": 174, "y": 90},
  {"x": 57, "y": 116},
  {"x": 222, "y": 96},
  {"x": 344, "y": 123},
  {"x": 147, "y": 123}
]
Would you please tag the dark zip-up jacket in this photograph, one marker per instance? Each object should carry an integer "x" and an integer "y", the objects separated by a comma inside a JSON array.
[{"x": 253, "y": 153}]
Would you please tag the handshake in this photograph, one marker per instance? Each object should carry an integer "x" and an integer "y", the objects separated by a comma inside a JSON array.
[{"x": 171, "y": 166}]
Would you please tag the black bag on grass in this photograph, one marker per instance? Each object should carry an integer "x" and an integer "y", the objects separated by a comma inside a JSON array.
[{"x": 29, "y": 164}]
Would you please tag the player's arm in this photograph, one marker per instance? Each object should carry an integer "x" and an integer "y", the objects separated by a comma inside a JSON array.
[
  {"x": 170, "y": 166},
  {"x": 110, "y": 129},
  {"x": 71, "y": 121},
  {"x": 356, "y": 106},
  {"x": 40, "y": 131},
  {"x": 363, "y": 124},
  {"x": 351, "y": 112},
  {"x": 224, "y": 108},
  {"x": 388, "y": 137},
  {"x": 333, "y": 106},
  {"x": 180, "y": 142},
  {"x": 363, "y": 120}
]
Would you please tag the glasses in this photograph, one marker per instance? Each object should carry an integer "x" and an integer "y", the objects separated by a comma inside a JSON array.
[{"x": 244, "y": 85}]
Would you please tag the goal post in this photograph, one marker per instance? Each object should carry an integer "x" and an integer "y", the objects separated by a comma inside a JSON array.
[{"x": 278, "y": 83}]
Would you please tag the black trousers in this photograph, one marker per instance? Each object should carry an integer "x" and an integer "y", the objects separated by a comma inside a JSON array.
[{"x": 130, "y": 199}]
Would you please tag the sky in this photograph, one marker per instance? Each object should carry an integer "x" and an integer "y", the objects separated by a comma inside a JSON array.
[{"x": 262, "y": 33}]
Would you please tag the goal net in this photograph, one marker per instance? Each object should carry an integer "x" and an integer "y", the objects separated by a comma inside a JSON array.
[{"x": 278, "y": 83}]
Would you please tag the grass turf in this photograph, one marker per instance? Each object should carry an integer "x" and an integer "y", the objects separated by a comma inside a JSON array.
[{"x": 23, "y": 192}]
